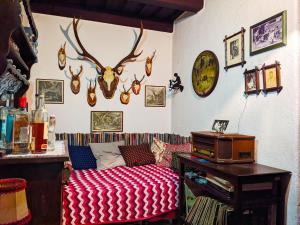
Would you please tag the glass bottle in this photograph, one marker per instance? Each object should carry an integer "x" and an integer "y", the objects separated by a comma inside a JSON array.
[
  {"x": 9, "y": 125},
  {"x": 51, "y": 133},
  {"x": 39, "y": 124},
  {"x": 21, "y": 129},
  {"x": 3, "y": 116}
]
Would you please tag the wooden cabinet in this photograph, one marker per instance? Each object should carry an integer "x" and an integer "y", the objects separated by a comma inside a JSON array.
[
  {"x": 43, "y": 174},
  {"x": 223, "y": 148},
  {"x": 257, "y": 187}
]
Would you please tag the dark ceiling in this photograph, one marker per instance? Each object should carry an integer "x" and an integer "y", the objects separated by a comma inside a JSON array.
[{"x": 155, "y": 14}]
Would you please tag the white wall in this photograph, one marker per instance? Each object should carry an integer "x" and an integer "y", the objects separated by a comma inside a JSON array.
[
  {"x": 273, "y": 119},
  {"x": 109, "y": 44}
]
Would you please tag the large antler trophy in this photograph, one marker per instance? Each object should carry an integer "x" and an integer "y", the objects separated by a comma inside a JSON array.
[{"x": 108, "y": 76}]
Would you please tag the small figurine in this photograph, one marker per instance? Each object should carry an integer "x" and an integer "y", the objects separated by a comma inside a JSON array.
[{"x": 175, "y": 84}]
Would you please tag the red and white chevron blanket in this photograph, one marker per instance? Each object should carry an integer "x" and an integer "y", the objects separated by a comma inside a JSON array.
[{"x": 121, "y": 194}]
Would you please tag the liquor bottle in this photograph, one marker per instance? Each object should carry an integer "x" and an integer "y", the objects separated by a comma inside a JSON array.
[
  {"x": 3, "y": 116},
  {"x": 9, "y": 125},
  {"x": 39, "y": 124},
  {"x": 21, "y": 129},
  {"x": 51, "y": 133}
]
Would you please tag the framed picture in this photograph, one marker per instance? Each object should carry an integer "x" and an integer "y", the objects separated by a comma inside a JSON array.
[
  {"x": 269, "y": 34},
  {"x": 252, "y": 81},
  {"x": 52, "y": 89},
  {"x": 205, "y": 73},
  {"x": 220, "y": 125},
  {"x": 234, "y": 50},
  {"x": 271, "y": 78},
  {"x": 106, "y": 121},
  {"x": 155, "y": 96}
]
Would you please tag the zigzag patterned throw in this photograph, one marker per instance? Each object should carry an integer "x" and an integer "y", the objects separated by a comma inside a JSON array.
[{"x": 121, "y": 194}]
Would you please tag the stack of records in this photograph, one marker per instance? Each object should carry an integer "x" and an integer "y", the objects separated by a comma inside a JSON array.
[{"x": 208, "y": 211}]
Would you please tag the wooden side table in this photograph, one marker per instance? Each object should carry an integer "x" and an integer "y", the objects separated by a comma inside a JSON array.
[
  {"x": 43, "y": 174},
  {"x": 241, "y": 175}
]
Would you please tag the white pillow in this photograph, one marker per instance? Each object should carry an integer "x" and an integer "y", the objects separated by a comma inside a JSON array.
[{"x": 108, "y": 154}]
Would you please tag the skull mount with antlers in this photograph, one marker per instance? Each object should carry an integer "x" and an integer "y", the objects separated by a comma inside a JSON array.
[
  {"x": 62, "y": 57},
  {"x": 136, "y": 85},
  {"x": 148, "y": 64},
  {"x": 91, "y": 94},
  {"x": 108, "y": 76},
  {"x": 125, "y": 96},
  {"x": 75, "y": 80}
]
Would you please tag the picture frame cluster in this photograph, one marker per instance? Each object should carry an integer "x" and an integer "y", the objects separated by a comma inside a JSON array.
[{"x": 271, "y": 75}]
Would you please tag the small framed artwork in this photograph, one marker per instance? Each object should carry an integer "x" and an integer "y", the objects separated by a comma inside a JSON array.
[
  {"x": 269, "y": 34},
  {"x": 106, "y": 121},
  {"x": 220, "y": 125},
  {"x": 52, "y": 89},
  {"x": 234, "y": 50},
  {"x": 252, "y": 81},
  {"x": 271, "y": 77},
  {"x": 155, "y": 96}
]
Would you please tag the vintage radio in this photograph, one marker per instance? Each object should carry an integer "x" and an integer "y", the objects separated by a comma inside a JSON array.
[{"x": 223, "y": 148}]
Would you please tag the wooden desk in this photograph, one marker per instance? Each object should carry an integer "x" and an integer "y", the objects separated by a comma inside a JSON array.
[
  {"x": 43, "y": 174},
  {"x": 239, "y": 175}
]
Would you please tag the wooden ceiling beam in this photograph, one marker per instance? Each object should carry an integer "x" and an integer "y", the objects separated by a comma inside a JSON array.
[
  {"x": 100, "y": 17},
  {"x": 182, "y": 5}
]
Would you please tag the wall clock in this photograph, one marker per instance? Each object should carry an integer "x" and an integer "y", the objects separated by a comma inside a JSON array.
[{"x": 205, "y": 73}]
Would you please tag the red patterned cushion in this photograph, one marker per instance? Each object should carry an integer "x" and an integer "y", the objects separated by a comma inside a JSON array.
[
  {"x": 167, "y": 154},
  {"x": 137, "y": 155}
]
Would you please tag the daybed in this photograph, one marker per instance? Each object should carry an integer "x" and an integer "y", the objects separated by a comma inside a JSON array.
[{"x": 119, "y": 194}]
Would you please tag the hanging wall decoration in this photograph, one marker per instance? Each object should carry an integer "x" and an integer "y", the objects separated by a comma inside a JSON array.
[
  {"x": 234, "y": 50},
  {"x": 252, "y": 81},
  {"x": 205, "y": 73},
  {"x": 175, "y": 85},
  {"x": 155, "y": 96},
  {"x": 62, "y": 57},
  {"x": 125, "y": 95},
  {"x": 136, "y": 85},
  {"x": 108, "y": 76},
  {"x": 75, "y": 80},
  {"x": 269, "y": 34},
  {"x": 91, "y": 94},
  {"x": 271, "y": 77},
  {"x": 106, "y": 121},
  {"x": 148, "y": 64},
  {"x": 52, "y": 89}
]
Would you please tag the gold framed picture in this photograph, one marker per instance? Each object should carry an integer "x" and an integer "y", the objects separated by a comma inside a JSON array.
[
  {"x": 272, "y": 77},
  {"x": 252, "y": 81},
  {"x": 234, "y": 50},
  {"x": 155, "y": 96},
  {"x": 106, "y": 121}
]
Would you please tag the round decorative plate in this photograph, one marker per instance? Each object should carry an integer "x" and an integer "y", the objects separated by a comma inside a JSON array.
[{"x": 205, "y": 73}]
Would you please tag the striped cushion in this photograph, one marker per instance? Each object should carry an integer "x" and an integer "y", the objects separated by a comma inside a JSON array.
[{"x": 137, "y": 155}]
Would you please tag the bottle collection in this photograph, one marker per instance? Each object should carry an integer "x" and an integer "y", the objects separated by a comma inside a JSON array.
[{"x": 22, "y": 132}]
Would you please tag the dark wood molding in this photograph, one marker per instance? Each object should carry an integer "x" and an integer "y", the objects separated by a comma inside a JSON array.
[
  {"x": 100, "y": 17},
  {"x": 183, "y": 5}
]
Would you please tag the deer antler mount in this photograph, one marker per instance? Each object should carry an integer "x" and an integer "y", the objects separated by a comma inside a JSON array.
[
  {"x": 91, "y": 94},
  {"x": 75, "y": 80},
  {"x": 108, "y": 76}
]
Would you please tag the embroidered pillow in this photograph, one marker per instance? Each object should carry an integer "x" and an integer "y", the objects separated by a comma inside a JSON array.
[
  {"x": 157, "y": 148},
  {"x": 107, "y": 154},
  {"x": 167, "y": 154},
  {"x": 82, "y": 157},
  {"x": 137, "y": 155}
]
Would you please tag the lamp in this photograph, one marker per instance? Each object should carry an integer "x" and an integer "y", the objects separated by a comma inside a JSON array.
[{"x": 13, "y": 203}]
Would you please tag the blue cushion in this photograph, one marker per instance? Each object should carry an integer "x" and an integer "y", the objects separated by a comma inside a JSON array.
[{"x": 82, "y": 157}]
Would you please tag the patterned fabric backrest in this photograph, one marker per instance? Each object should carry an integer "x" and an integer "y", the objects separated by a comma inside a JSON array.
[{"x": 81, "y": 139}]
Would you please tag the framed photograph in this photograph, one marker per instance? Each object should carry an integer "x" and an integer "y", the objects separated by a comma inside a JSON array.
[
  {"x": 52, "y": 89},
  {"x": 220, "y": 125},
  {"x": 234, "y": 50},
  {"x": 106, "y": 121},
  {"x": 271, "y": 78},
  {"x": 252, "y": 81},
  {"x": 269, "y": 34},
  {"x": 155, "y": 96}
]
